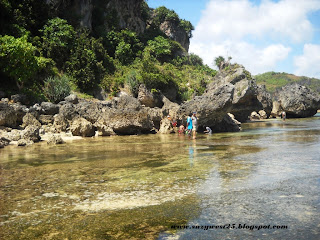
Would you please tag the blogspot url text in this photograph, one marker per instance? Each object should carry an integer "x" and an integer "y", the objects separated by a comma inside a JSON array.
[{"x": 230, "y": 226}]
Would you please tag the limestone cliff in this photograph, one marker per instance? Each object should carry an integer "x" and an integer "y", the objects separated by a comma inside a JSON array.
[
  {"x": 102, "y": 14},
  {"x": 176, "y": 33},
  {"x": 105, "y": 15}
]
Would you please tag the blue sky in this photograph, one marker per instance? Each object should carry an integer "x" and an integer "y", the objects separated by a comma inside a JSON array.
[{"x": 262, "y": 35}]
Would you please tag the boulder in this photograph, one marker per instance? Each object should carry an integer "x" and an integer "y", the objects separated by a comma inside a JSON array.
[
  {"x": 20, "y": 111},
  {"x": 8, "y": 116},
  {"x": 35, "y": 110},
  {"x": 298, "y": 101},
  {"x": 254, "y": 116},
  {"x": 68, "y": 111},
  {"x": 170, "y": 108},
  {"x": 265, "y": 99},
  {"x": 149, "y": 99},
  {"x": 22, "y": 142},
  {"x": 276, "y": 109},
  {"x": 126, "y": 102},
  {"x": 49, "y": 108},
  {"x": 263, "y": 114},
  {"x": 227, "y": 124},
  {"x": 14, "y": 135},
  {"x": 72, "y": 98},
  {"x": 4, "y": 141},
  {"x": 29, "y": 119},
  {"x": 60, "y": 124},
  {"x": 46, "y": 119},
  {"x": 31, "y": 133},
  {"x": 91, "y": 111},
  {"x": 82, "y": 127},
  {"x": 129, "y": 121},
  {"x": 55, "y": 139},
  {"x": 19, "y": 98},
  {"x": 103, "y": 129},
  {"x": 166, "y": 126},
  {"x": 156, "y": 115}
]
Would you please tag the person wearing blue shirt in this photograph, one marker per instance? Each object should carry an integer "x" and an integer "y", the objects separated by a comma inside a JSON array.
[{"x": 189, "y": 125}]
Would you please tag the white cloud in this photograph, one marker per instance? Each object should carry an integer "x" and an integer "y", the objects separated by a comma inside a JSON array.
[
  {"x": 308, "y": 64},
  {"x": 257, "y": 36},
  {"x": 256, "y": 60}
]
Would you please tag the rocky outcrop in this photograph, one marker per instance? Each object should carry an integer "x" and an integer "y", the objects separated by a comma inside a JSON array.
[
  {"x": 8, "y": 116},
  {"x": 265, "y": 99},
  {"x": 129, "y": 121},
  {"x": 126, "y": 102},
  {"x": 228, "y": 124},
  {"x": 298, "y": 101},
  {"x": 68, "y": 111},
  {"x": 31, "y": 133},
  {"x": 82, "y": 127},
  {"x": 276, "y": 109},
  {"x": 14, "y": 135},
  {"x": 29, "y": 119},
  {"x": 128, "y": 14},
  {"x": 233, "y": 90},
  {"x": 19, "y": 98},
  {"x": 166, "y": 126},
  {"x": 263, "y": 114},
  {"x": 149, "y": 99},
  {"x": 4, "y": 141},
  {"x": 60, "y": 123},
  {"x": 49, "y": 108},
  {"x": 72, "y": 98},
  {"x": 210, "y": 107},
  {"x": 55, "y": 139},
  {"x": 254, "y": 116},
  {"x": 174, "y": 31},
  {"x": 23, "y": 142},
  {"x": 103, "y": 129},
  {"x": 46, "y": 119}
]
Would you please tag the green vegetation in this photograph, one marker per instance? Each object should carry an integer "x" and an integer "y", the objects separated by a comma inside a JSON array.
[
  {"x": 18, "y": 60},
  {"x": 43, "y": 51},
  {"x": 276, "y": 80},
  {"x": 57, "y": 88},
  {"x": 218, "y": 61}
]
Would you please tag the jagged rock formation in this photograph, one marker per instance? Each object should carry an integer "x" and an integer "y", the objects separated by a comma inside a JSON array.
[
  {"x": 176, "y": 33},
  {"x": 128, "y": 14},
  {"x": 264, "y": 98},
  {"x": 233, "y": 90},
  {"x": 149, "y": 99},
  {"x": 297, "y": 101},
  {"x": 102, "y": 13}
]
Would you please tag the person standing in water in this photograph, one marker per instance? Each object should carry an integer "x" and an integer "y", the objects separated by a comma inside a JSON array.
[
  {"x": 189, "y": 125},
  {"x": 283, "y": 115},
  {"x": 194, "y": 124}
]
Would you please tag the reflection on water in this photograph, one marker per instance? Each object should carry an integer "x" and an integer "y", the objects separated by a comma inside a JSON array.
[{"x": 136, "y": 187}]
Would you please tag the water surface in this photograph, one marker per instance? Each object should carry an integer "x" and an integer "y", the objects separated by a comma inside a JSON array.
[{"x": 137, "y": 187}]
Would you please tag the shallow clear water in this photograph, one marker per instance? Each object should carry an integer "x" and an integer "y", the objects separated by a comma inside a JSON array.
[{"x": 137, "y": 187}]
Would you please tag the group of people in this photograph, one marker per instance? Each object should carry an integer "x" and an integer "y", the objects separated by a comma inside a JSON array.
[{"x": 192, "y": 126}]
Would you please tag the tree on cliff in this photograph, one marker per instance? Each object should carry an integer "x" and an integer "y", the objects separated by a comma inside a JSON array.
[{"x": 219, "y": 62}]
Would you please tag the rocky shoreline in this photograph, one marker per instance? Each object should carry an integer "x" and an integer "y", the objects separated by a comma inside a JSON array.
[{"x": 233, "y": 97}]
